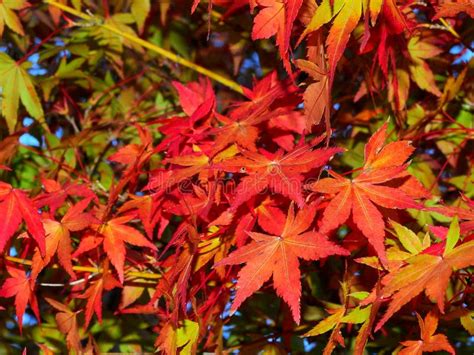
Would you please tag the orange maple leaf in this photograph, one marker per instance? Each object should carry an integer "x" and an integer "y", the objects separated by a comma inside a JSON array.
[
  {"x": 113, "y": 235},
  {"x": 277, "y": 256},
  {"x": 430, "y": 341},
  {"x": 426, "y": 272},
  {"x": 382, "y": 164},
  {"x": 94, "y": 294},
  {"x": 276, "y": 17},
  {"x": 58, "y": 238},
  {"x": 316, "y": 96}
]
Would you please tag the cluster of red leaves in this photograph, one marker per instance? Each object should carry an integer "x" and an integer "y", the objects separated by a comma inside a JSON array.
[{"x": 226, "y": 183}]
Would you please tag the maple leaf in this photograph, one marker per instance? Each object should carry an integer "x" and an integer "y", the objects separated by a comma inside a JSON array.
[
  {"x": 94, "y": 294},
  {"x": 149, "y": 211},
  {"x": 20, "y": 287},
  {"x": 344, "y": 23},
  {"x": 8, "y": 17},
  {"x": 464, "y": 214},
  {"x": 197, "y": 98},
  {"x": 284, "y": 124},
  {"x": 276, "y": 17},
  {"x": 277, "y": 256},
  {"x": 56, "y": 195},
  {"x": 192, "y": 164},
  {"x": 263, "y": 94},
  {"x": 385, "y": 36},
  {"x": 16, "y": 85},
  {"x": 135, "y": 155},
  {"x": 185, "y": 337},
  {"x": 15, "y": 206},
  {"x": 58, "y": 239},
  {"x": 67, "y": 324},
  {"x": 346, "y": 14},
  {"x": 426, "y": 272},
  {"x": 340, "y": 314},
  {"x": 452, "y": 9},
  {"x": 243, "y": 132},
  {"x": 359, "y": 196},
  {"x": 316, "y": 96},
  {"x": 268, "y": 216},
  {"x": 121, "y": 21},
  {"x": 419, "y": 69},
  {"x": 430, "y": 341},
  {"x": 113, "y": 235},
  {"x": 140, "y": 10},
  {"x": 282, "y": 173}
]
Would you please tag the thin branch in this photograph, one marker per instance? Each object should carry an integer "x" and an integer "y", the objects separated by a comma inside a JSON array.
[
  {"x": 94, "y": 270},
  {"x": 72, "y": 283},
  {"x": 37, "y": 46}
]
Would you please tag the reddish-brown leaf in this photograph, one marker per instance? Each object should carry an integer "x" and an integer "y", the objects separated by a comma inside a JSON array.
[{"x": 67, "y": 324}]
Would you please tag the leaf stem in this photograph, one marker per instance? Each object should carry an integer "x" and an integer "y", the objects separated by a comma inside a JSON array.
[
  {"x": 154, "y": 48},
  {"x": 37, "y": 46}
]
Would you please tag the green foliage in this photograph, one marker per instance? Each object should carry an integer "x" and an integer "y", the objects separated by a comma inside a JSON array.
[{"x": 255, "y": 176}]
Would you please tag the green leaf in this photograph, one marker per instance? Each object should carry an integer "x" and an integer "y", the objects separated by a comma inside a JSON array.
[
  {"x": 423, "y": 77},
  {"x": 16, "y": 84},
  {"x": 140, "y": 10},
  {"x": 453, "y": 236},
  {"x": 468, "y": 323},
  {"x": 409, "y": 239},
  {"x": 357, "y": 316},
  {"x": 327, "y": 324},
  {"x": 186, "y": 336},
  {"x": 8, "y": 17},
  {"x": 359, "y": 295}
]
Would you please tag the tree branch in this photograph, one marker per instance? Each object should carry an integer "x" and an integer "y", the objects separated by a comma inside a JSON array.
[{"x": 134, "y": 274}]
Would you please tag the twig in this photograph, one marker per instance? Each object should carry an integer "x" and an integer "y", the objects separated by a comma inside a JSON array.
[
  {"x": 94, "y": 270},
  {"x": 72, "y": 283}
]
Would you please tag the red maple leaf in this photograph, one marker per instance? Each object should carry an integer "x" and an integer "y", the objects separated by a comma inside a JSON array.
[
  {"x": 197, "y": 98},
  {"x": 277, "y": 256},
  {"x": 56, "y": 194},
  {"x": 15, "y": 206},
  {"x": 94, "y": 294},
  {"x": 282, "y": 173},
  {"x": 382, "y": 165},
  {"x": 276, "y": 17},
  {"x": 20, "y": 287},
  {"x": 113, "y": 235}
]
